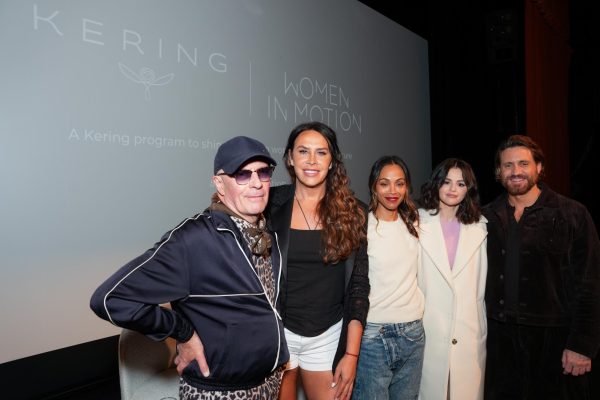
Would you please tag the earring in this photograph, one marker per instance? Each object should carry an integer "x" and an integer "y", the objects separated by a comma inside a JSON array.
[{"x": 330, "y": 165}]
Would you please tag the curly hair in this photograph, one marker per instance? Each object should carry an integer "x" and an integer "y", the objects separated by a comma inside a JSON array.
[
  {"x": 342, "y": 218},
  {"x": 407, "y": 208},
  {"x": 468, "y": 210}
]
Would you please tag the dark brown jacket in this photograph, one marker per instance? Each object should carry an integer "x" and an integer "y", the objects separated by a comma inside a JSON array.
[{"x": 559, "y": 268}]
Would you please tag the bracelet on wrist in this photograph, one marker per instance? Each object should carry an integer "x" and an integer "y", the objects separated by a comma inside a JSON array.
[{"x": 353, "y": 355}]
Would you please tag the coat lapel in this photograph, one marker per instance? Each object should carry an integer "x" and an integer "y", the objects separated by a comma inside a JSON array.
[
  {"x": 432, "y": 242},
  {"x": 279, "y": 218},
  {"x": 471, "y": 237}
]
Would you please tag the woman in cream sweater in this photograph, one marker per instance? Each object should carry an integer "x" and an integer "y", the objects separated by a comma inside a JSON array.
[{"x": 391, "y": 350}]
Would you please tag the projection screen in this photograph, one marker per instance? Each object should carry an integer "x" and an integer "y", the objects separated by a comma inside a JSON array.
[{"x": 111, "y": 113}]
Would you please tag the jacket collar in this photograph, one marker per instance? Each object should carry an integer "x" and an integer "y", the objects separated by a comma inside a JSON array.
[
  {"x": 281, "y": 201},
  {"x": 220, "y": 220},
  {"x": 547, "y": 198},
  {"x": 431, "y": 237}
]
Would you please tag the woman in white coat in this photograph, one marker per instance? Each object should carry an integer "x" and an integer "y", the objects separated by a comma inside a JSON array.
[{"x": 452, "y": 274}]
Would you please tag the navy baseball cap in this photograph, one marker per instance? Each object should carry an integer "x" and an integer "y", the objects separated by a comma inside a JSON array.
[{"x": 235, "y": 152}]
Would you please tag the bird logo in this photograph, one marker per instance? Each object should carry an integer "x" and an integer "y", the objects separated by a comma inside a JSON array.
[{"x": 146, "y": 77}]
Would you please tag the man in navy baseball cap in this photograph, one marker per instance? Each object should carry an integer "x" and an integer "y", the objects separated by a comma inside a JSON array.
[
  {"x": 220, "y": 271},
  {"x": 237, "y": 151}
]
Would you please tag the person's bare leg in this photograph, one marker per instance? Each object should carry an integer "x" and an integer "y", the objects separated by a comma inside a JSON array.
[
  {"x": 317, "y": 384},
  {"x": 289, "y": 385}
]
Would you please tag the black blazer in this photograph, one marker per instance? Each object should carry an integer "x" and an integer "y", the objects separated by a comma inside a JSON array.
[{"x": 356, "y": 298}]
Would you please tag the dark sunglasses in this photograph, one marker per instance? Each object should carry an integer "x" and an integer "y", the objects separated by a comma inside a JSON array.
[{"x": 243, "y": 176}]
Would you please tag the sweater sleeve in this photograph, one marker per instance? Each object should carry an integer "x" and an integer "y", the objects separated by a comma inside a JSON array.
[
  {"x": 131, "y": 298},
  {"x": 359, "y": 287}
]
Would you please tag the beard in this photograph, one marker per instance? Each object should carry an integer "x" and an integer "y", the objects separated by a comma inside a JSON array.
[{"x": 520, "y": 188}]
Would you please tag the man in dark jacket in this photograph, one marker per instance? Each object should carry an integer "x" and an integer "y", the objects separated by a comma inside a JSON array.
[
  {"x": 219, "y": 270},
  {"x": 543, "y": 284}
]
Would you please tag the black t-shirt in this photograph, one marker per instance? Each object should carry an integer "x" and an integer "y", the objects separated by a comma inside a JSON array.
[
  {"x": 315, "y": 291},
  {"x": 511, "y": 270}
]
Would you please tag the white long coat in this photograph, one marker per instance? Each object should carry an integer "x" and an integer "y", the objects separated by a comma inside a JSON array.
[{"x": 454, "y": 319}]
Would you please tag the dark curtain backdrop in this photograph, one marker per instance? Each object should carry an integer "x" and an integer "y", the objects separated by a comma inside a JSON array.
[
  {"x": 547, "y": 57},
  {"x": 584, "y": 103},
  {"x": 499, "y": 67},
  {"x": 508, "y": 66}
]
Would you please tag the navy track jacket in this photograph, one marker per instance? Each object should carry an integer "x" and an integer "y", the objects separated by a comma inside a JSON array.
[{"x": 204, "y": 269}]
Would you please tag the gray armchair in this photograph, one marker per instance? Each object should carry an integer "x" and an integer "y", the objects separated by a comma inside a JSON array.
[{"x": 146, "y": 369}]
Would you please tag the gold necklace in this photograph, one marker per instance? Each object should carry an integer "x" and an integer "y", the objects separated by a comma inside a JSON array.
[{"x": 304, "y": 215}]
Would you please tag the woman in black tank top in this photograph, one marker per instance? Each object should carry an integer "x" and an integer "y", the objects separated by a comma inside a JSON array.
[{"x": 321, "y": 230}]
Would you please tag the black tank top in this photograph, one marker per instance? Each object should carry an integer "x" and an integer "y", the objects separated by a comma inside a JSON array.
[{"x": 315, "y": 291}]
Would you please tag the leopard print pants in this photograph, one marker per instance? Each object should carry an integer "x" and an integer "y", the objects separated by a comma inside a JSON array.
[{"x": 269, "y": 390}]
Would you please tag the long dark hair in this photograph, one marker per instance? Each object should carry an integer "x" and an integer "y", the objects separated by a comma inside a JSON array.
[
  {"x": 468, "y": 210},
  {"x": 339, "y": 212},
  {"x": 407, "y": 208}
]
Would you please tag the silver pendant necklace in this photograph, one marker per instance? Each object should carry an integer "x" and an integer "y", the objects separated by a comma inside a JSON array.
[{"x": 304, "y": 215}]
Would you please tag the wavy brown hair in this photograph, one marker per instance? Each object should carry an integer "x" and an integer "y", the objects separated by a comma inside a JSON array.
[
  {"x": 341, "y": 216},
  {"x": 468, "y": 210},
  {"x": 407, "y": 208},
  {"x": 523, "y": 141}
]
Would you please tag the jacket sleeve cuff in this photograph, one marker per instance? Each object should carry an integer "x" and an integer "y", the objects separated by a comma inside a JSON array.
[
  {"x": 588, "y": 346},
  {"x": 183, "y": 330}
]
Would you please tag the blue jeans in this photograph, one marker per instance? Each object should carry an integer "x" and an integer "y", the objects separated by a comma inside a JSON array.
[{"x": 390, "y": 362}]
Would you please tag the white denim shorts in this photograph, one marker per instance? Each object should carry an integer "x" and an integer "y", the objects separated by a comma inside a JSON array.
[{"x": 313, "y": 353}]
